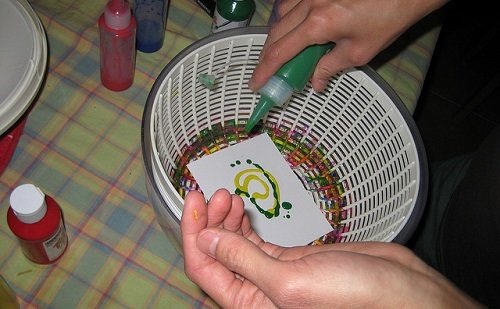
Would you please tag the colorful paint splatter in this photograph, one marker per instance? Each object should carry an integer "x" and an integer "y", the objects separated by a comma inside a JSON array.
[
  {"x": 269, "y": 189},
  {"x": 305, "y": 158}
]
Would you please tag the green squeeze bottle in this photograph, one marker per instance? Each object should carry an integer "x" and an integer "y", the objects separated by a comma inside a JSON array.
[
  {"x": 292, "y": 76},
  {"x": 231, "y": 14}
]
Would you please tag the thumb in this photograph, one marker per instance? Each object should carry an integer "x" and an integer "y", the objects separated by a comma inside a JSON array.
[{"x": 241, "y": 256}]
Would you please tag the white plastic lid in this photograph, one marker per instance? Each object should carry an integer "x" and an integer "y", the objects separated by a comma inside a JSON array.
[
  {"x": 117, "y": 14},
  {"x": 23, "y": 59},
  {"x": 28, "y": 203}
]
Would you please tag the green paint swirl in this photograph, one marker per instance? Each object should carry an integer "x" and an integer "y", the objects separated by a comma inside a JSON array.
[{"x": 242, "y": 181}]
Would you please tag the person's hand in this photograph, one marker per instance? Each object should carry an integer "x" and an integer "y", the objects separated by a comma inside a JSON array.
[
  {"x": 359, "y": 28},
  {"x": 234, "y": 266}
]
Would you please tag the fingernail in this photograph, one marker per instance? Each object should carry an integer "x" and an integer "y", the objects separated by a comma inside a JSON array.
[{"x": 207, "y": 242}]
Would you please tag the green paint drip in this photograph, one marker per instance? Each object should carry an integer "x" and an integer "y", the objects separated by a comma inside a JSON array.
[{"x": 275, "y": 210}]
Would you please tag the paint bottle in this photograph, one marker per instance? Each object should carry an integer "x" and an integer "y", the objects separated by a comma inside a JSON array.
[
  {"x": 117, "y": 31},
  {"x": 232, "y": 14},
  {"x": 292, "y": 76},
  {"x": 151, "y": 18},
  {"x": 36, "y": 219}
]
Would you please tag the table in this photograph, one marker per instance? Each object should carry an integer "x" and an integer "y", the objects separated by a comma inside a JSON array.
[{"x": 81, "y": 145}]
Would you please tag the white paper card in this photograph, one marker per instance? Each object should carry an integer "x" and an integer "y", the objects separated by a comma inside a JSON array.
[{"x": 280, "y": 208}]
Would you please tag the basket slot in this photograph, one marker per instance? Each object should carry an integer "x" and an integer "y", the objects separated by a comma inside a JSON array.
[
  {"x": 375, "y": 137},
  {"x": 377, "y": 226},
  {"x": 191, "y": 120},
  {"x": 176, "y": 116},
  {"x": 395, "y": 183},
  {"x": 392, "y": 165}
]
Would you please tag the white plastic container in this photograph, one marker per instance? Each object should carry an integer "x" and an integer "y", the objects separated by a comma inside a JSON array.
[
  {"x": 23, "y": 55},
  {"x": 358, "y": 126}
]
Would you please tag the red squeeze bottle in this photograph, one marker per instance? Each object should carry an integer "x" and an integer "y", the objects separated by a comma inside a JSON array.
[
  {"x": 36, "y": 219},
  {"x": 117, "y": 31}
]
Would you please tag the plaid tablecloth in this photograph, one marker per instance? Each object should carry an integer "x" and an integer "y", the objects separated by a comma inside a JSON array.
[{"x": 81, "y": 145}]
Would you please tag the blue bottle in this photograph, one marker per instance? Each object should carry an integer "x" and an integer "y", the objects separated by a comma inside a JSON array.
[{"x": 151, "y": 17}]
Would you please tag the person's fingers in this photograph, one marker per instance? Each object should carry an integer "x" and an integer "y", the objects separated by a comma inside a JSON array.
[
  {"x": 346, "y": 54},
  {"x": 330, "y": 64},
  {"x": 242, "y": 257},
  {"x": 234, "y": 218},
  {"x": 201, "y": 268},
  {"x": 292, "y": 15},
  {"x": 194, "y": 219},
  {"x": 388, "y": 251},
  {"x": 288, "y": 38},
  {"x": 227, "y": 211},
  {"x": 219, "y": 206},
  {"x": 194, "y": 214},
  {"x": 285, "y": 6},
  {"x": 276, "y": 55},
  {"x": 277, "y": 52},
  {"x": 222, "y": 284},
  {"x": 272, "y": 58}
]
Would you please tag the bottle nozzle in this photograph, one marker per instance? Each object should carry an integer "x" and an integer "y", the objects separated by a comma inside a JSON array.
[
  {"x": 117, "y": 14},
  {"x": 274, "y": 93},
  {"x": 264, "y": 105}
]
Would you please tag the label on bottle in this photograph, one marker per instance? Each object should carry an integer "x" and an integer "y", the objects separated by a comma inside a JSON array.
[
  {"x": 56, "y": 245},
  {"x": 220, "y": 23}
]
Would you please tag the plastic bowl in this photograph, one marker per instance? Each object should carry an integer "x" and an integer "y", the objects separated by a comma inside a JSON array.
[{"x": 354, "y": 146}]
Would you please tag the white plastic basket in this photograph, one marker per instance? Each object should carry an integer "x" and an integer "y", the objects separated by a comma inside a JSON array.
[{"x": 357, "y": 130}]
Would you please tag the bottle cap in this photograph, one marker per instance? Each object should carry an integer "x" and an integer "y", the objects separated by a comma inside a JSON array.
[
  {"x": 117, "y": 14},
  {"x": 28, "y": 203}
]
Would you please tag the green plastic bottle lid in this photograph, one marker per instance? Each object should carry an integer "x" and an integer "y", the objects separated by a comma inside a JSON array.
[{"x": 236, "y": 10}]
